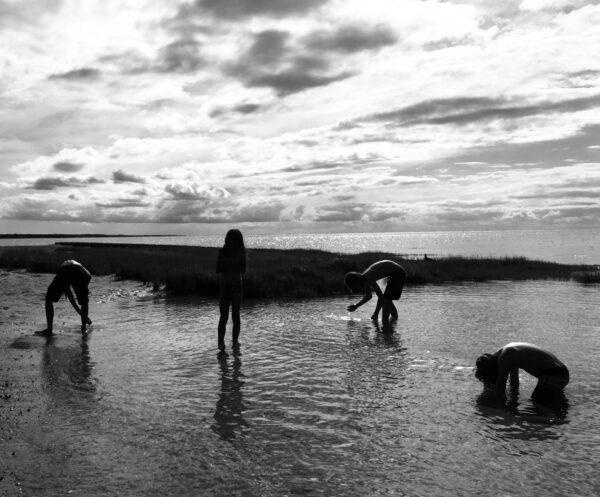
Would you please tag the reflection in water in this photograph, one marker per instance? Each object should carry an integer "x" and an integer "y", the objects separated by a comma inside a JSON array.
[
  {"x": 535, "y": 421},
  {"x": 230, "y": 406},
  {"x": 372, "y": 333},
  {"x": 323, "y": 404},
  {"x": 67, "y": 368}
]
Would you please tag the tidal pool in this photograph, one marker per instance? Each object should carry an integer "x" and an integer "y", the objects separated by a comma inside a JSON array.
[{"x": 320, "y": 402}]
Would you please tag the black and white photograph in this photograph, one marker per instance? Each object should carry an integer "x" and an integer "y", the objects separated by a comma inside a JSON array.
[{"x": 269, "y": 248}]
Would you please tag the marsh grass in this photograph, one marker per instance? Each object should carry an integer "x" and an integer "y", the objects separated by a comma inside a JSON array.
[
  {"x": 271, "y": 273},
  {"x": 587, "y": 276}
]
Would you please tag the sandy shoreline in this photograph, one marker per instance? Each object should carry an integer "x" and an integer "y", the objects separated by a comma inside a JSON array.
[{"x": 22, "y": 385}]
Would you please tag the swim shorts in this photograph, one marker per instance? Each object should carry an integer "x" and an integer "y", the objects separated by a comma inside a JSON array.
[
  {"x": 552, "y": 381},
  {"x": 70, "y": 275},
  {"x": 395, "y": 284}
]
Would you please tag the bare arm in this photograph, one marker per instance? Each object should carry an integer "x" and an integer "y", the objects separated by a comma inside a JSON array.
[
  {"x": 366, "y": 297},
  {"x": 514, "y": 379},
  {"x": 379, "y": 293},
  {"x": 505, "y": 368},
  {"x": 84, "y": 315},
  {"x": 71, "y": 298},
  {"x": 375, "y": 315}
]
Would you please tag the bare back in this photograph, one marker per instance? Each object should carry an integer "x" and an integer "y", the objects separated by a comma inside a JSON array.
[
  {"x": 528, "y": 357},
  {"x": 380, "y": 270}
]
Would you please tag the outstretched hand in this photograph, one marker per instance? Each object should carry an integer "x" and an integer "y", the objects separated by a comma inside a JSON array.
[{"x": 352, "y": 307}]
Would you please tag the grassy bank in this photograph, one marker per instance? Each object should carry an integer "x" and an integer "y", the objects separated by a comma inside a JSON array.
[{"x": 271, "y": 273}]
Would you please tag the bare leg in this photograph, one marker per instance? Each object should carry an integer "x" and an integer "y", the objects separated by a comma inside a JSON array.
[
  {"x": 375, "y": 315},
  {"x": 393, "y": 311},
  {"x": 386, "y": 312},
  {"x": 224, "y": 310},
  {"x": 84, "y": 316},
  {"x": 49, "y": 316},
  {"x": 236, "y": 302}
]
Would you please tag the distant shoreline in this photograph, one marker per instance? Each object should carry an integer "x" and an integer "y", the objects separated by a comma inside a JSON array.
[
  {"x": 275, "y": 273},
  {"x": 18, "y": 236}
]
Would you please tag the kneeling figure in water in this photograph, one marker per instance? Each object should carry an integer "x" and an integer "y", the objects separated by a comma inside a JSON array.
[{"x": 494, "y": 370}]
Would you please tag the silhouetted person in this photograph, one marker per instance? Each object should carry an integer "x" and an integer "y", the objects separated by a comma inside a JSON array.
[
  {"x": 494, "y": 369},
  {"x": 367, "y": 281},
  {"x": 231, "y": 265},
  {"x": 73, "y": 275}
]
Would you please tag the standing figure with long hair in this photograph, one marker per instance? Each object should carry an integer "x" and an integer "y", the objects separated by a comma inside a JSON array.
[{"x": 231, "y": 265}]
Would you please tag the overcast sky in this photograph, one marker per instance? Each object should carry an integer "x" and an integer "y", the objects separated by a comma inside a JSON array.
[{"x": 134, "y": 116}]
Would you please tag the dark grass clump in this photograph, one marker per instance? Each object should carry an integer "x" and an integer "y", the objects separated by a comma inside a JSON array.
[
  {"x": 271, "y": 273},
  {"x": 587, "y": 277}
]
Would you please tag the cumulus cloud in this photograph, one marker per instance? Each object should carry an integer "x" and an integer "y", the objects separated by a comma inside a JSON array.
[
  {"x": 268, "y": 47},
  {"x": 52, "y": 183},
  {"x": 67, "y": 167},
  {"x": 341, "y": 212},
  {"x": 293, "y": 80},
  {"x": 349, "y": 212},
  {"x": 424, "y": 116},
  {"x": 83, "y": 74},
  {"x": 50, "y": 208},
  {"x": 123, "y": 177},
  {"x": 182, "y": 56},
  {"x": 244, "y": 109},
  {"x": 187, "y": 191},
  {"x": 258, "y": 212},
  {"x": 351, "y": 39},
  {"x": 237, "y": 10},
  {"x": 179, "y": 56},
  {"x": 30, "y": 12},
  {"x": 200, "y": 212},
  {"x": 273, "y": 61}
]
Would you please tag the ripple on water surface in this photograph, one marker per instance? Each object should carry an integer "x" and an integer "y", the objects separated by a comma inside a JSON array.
[{"x": 320, "y": 404}]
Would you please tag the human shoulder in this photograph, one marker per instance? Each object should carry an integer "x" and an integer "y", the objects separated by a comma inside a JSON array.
[
  {"x": 381, "y": 269},
  {"x": 517, "y": 353},
  {"x": 507, "y": 352}
]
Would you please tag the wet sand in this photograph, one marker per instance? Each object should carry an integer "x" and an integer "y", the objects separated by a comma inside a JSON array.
[{"x": 22, "y": 386}]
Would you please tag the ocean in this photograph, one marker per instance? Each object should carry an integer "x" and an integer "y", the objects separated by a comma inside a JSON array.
[{"x": 568, "y": 246}]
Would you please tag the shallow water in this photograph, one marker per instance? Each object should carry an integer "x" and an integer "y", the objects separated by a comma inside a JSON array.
[{"x": 318, "y": 403}]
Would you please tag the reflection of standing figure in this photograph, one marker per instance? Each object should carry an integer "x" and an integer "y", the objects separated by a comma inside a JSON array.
[
  {"x": 231, "y": 265},
  {"x": 69, "y": 274},
  {"x": 367, "y": 281},
  {"x": 495, "y": 369},
  {"x": 229, "y": 408}
]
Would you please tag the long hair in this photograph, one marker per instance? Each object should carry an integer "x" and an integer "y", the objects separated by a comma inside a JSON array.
[
  {"x": 234, "y": 243},
  {"x": 486, "y": 369}
]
